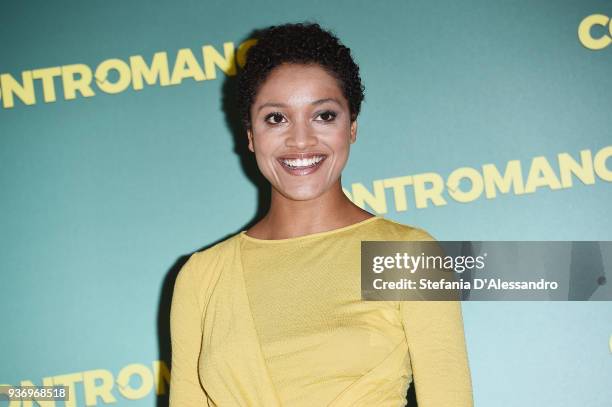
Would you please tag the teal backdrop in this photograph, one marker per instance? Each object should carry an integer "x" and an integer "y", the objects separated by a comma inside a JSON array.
[{"x": 104, "y": 196}]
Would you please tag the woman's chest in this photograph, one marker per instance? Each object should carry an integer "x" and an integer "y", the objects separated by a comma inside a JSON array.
[{"x": 308, "y": 308}]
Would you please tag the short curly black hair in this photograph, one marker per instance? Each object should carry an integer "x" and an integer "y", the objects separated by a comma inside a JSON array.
[{"x": 301, "y": 43}]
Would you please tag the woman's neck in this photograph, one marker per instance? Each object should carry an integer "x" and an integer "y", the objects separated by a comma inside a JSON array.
[{"x": 289, "y": 218}]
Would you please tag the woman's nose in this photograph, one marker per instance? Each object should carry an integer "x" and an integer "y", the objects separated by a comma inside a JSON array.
[{"x": 301, "y": 136}]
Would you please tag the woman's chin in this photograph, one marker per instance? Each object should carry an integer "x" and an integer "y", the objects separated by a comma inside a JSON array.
[{"x": 301, "y": 194}]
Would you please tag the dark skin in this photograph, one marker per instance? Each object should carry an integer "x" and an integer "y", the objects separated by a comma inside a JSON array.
[{"x": 301, "y": 110}]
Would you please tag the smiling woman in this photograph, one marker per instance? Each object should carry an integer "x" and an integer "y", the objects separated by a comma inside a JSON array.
[
  {"x": 273, "y": 316},
  {"x": 302, "y": 125}
]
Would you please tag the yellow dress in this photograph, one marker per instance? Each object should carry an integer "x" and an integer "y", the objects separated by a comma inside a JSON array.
[{"x": 281, "y": 323}]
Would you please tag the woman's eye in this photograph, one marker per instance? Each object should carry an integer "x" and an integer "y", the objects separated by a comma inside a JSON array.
[
  {"x": 274, "y": 118},
  {"x": 328, "y": 116}
]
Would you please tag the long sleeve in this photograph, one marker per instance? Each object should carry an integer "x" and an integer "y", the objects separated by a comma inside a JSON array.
[
  {"x": 436, "y": 343},
  {"x": 186, "y": 340}
]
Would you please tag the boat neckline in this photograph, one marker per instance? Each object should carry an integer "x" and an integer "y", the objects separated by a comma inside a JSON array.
[{"x": 243, "y": 234}]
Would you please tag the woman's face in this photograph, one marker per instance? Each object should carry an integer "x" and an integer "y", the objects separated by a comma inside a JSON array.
[{"x": 301, "y": 130}]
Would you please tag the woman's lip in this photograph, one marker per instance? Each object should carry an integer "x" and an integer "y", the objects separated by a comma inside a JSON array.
[
  {"x": 299, "y": 171},
  {"x": 297, "y": 156}
]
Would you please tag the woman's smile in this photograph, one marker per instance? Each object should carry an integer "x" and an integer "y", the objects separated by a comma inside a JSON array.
[{"x": 302, "y": 164}]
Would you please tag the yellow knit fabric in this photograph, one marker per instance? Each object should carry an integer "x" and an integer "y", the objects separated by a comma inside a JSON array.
[{"x": 281, "y": 323}]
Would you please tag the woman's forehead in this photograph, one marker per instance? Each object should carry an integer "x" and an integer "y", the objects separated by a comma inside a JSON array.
[{"x": 298, "y": 85}]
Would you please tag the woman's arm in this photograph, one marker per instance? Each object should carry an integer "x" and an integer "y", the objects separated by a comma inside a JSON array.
[
  {"x": 186, "y": 339},
  {"x": 436, "y": 342}
]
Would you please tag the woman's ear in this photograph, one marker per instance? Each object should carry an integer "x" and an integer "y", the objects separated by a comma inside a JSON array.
[
  {"x": 353, "y": 131},
  {"x": 250, "y": 137}
]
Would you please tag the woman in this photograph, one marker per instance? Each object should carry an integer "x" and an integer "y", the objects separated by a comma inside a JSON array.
[{"x": 273, "y": 315}]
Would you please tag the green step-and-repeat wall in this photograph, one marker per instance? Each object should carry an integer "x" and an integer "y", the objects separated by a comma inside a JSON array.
[{"x": 121, "y": 154}]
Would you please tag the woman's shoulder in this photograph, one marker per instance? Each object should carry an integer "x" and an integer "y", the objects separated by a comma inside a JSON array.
[
  {"x": 215, "y": 250},
  {"x": 202, "y": 265},
  {"x": 393, "y": 230}
]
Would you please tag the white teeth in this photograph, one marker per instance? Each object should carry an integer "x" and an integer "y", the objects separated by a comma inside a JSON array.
[{"x": 303, "y": 162}]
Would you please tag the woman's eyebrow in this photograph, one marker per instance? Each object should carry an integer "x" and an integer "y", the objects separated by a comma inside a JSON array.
[{"x": 316, "y": 102}]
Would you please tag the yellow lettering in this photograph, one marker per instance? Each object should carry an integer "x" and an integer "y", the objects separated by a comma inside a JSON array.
[
  {"x": 399, "y": 191},
  {"x": 584, "y": 32},
  {"x": 541, "y": 174},
  {"x": 47, "y": 381},
  {"x": 212, "y": 58},
  {"x": 186, "y": 66},
  {"x": 123, "y": 380},
  {"x": 93, "y": 390},
  {"x": 162, "y": 376},
  {"x": 10, "y": 87},
  {"x": 125, "y": 76},
  {"x": 46, "y": 75},
  {"x": 69, "y": 380},
  {"x": 513, "y": 177},
  {"x": 377, "y": 201},
  {"x": 72, "y": 84},
  {"x": 454, "y": 181},
  {"x": 158, "y": 69},
  {"x": 568, "y": 166},
  {"x": 422, "y": 194},
  {"x": 243, "y": 48},
  {"x": 599, "y": 162}
]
